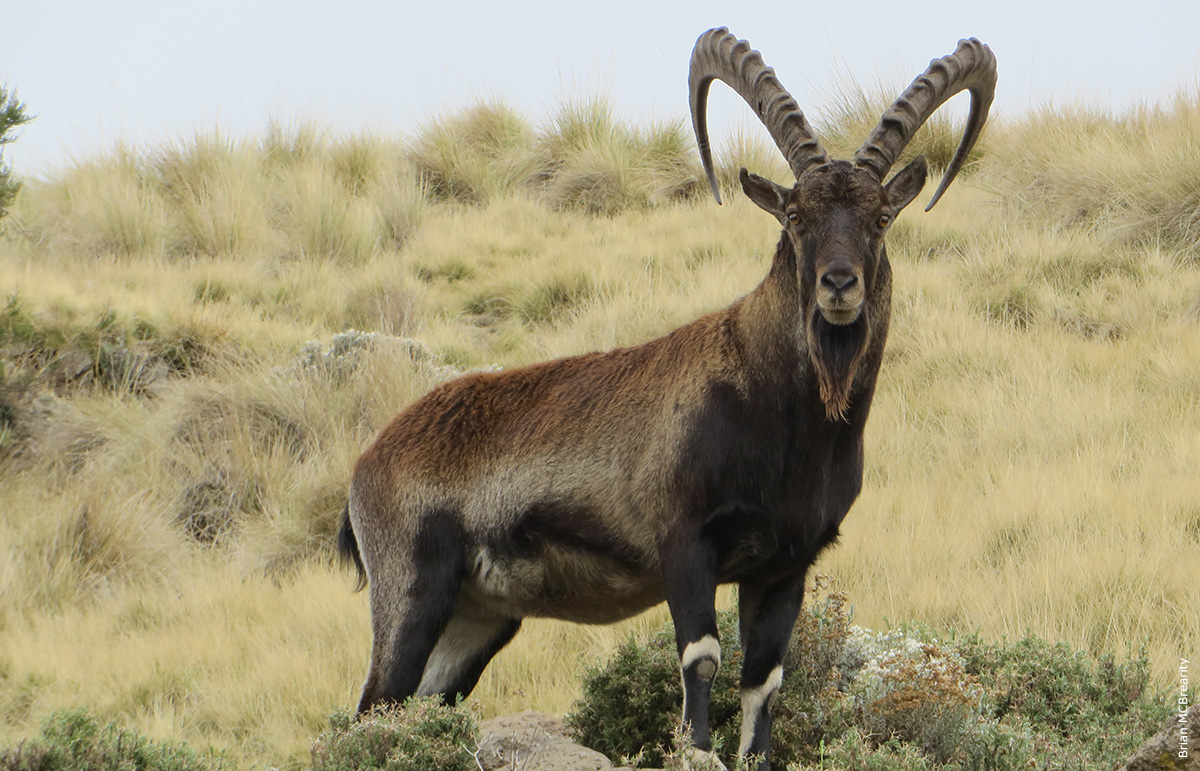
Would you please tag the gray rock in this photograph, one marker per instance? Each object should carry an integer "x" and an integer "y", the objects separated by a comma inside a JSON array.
[
  {"x": 1162, "y": 752},
  {"x": 534, "y": 741},
  {"x": 346, "y": 350}
]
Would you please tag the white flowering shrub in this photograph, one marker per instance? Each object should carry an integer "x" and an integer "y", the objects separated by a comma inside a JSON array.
[{"x": 906, "y": 684}]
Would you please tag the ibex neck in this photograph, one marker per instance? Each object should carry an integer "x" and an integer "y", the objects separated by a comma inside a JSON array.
[{"x": 769, "y": 319}]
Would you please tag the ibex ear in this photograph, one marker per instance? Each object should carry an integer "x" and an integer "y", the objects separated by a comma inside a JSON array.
[
  {"x": 907, "y": 184},
  {"x": 769, "y": 196}
]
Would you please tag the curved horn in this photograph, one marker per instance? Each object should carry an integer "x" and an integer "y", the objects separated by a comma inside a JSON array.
[
  {"x": 720, "y": 55},
  {"x": 971, "y": 67}
]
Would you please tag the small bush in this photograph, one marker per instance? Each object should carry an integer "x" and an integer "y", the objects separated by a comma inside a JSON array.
[
  {"x": 74, "y": 741},
  {"x": 1059, "y": 689},
  {"x": 898, "y": 700},
  {"x": 632, "y": 704},
  {"x": 12, "y": 116},
  {"x": 861, "y": 751},
  {"x": 422, "y": 735}
]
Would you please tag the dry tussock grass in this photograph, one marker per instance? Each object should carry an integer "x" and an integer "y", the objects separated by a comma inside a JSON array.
[{"x": 1030, "y": 460}]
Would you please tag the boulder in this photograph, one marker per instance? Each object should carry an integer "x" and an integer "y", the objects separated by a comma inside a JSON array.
[
  {"x": 1162, "y": 753},
  {"x": 534, "y": 741}
]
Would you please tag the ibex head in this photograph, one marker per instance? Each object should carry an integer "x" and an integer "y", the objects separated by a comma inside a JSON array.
[{"x": 837, "y": 213}]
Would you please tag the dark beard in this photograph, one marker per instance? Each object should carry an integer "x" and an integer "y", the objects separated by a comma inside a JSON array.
[{"x": 836, "y": 351}]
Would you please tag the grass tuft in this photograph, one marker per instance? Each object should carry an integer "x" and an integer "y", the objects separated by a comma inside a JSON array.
[
  {"x": 850, "y": 112},
  {"x": 588, "y": 161},
  {"x": 1131, "y": 178},
  {"x": 472, "y": 156}
]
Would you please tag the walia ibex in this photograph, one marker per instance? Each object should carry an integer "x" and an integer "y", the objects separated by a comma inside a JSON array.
[{"x": 591, "y": 487}]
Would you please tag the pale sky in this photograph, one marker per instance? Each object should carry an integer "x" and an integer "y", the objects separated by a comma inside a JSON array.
[{"x": 148, "y": 72}]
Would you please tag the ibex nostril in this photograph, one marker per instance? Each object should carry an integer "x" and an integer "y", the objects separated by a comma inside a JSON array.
[{"x": 839, "y": 279}]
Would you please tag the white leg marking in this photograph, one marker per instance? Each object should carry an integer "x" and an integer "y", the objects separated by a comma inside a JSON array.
[
  {"x": 706, "y": 648},
  {"x": 461, "y": 642},
  {"x": 753, "y": 700}
]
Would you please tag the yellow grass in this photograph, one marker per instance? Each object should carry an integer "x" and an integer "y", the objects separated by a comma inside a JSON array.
[{"x": 1030, "y": 459}]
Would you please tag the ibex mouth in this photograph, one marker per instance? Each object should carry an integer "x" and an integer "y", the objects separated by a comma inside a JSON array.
[{"x": 840, "y": 314}]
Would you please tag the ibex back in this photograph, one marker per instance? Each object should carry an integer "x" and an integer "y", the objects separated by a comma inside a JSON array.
[{"x": 592, "y": 487}]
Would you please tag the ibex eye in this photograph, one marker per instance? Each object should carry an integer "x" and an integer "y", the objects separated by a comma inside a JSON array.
[
  {"x": 885, "y": 220},
  {"x": 794, "y": 217}
]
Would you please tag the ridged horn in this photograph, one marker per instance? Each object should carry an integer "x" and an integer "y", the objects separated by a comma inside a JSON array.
[
  {"x": 719, "y": 55},
  {"x": 971, "y": 67}
]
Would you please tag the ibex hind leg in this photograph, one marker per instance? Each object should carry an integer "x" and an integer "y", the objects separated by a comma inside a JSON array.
[
  {"x": 468, "y": 643},
  {"x": 413, "y": 598}
]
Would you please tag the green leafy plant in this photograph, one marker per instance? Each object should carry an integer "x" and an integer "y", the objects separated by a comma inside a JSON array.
[
  {"x": 421, "y": 735},
  {"x": 897, "y": 700},
  {"x": 74, "y": 741},
  {"x": 12, "y": 115},
  {"x": 631, "y": 704}
]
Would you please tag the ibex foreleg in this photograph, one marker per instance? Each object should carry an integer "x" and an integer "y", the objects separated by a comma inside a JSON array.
[
  {"x": 766, "y": 614},
  {"x": 690, "y": 575}
]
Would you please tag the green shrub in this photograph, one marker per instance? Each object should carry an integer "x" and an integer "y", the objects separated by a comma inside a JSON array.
[
  {"x": 632, "y": 704},
  {"x": 1089, "y": 710},
  {"x": 862, "y": 752},
  {"x": 423, "y": 735},
  {"x": 73, "y": 741},
  {"x": 898, "y": 700},
  {"x": 12, "y": 115}
]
